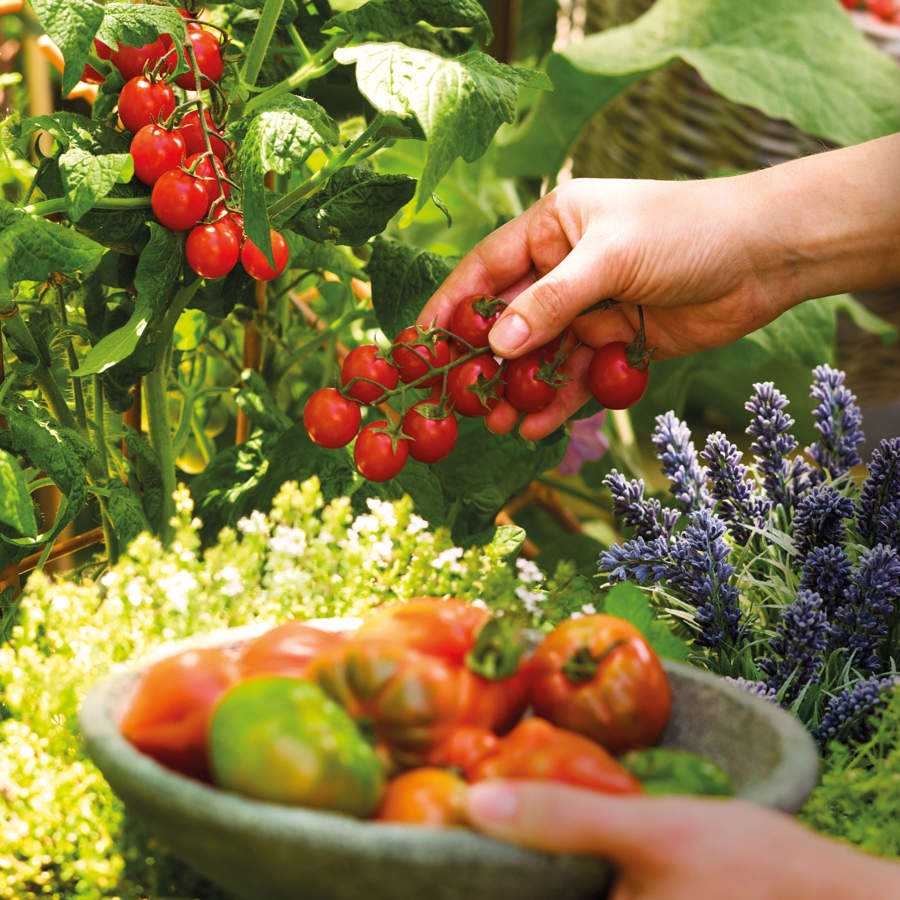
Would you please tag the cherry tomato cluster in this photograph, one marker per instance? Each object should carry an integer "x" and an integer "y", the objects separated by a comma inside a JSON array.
[
  {"x": 464, "y": 379},
  {"x": 886, "y": 10},
  {"x": 180, "y": 152}
]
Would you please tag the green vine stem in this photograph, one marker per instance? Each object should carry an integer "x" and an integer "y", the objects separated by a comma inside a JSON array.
[
  {"x": 58, "y": 205},
  {"x": 262, "y": 37}
]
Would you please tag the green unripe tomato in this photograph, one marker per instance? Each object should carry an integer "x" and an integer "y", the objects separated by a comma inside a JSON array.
[{"x": 283, "y": 740}]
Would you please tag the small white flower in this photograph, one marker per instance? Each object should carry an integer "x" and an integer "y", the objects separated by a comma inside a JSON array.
[
  {"x": 255, "y": 523},
  {"x": 134, "y": 592},
  {"x": 479, "y": 603},
  {"x": 384, "y": 510},
  {"x": 231, "y": 582},
  {"x": 177, "y": 589},
  {"x": 531, "y": 600},
  {"x": 365, "y": 524},
  {"x": 290, "y": 541},
  {"x": 416, "y": 524},
  {"x": 449, "y": 559},
  {"x": 528, "y": 571},
  {"x": 383, "y": 551},
  {"x": 589, "y": 609}
]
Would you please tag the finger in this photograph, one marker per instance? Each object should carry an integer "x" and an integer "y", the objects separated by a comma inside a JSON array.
[
  {"x": 569, "y": 398},
  {"x": 598, "y": 328},
  {"x": 543, "y": 310}
]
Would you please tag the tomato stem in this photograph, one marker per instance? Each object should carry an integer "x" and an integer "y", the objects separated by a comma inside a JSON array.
[
  {"x": 582, "y": 665},
  {"x": 262, "y": 37},
  {"x": 497, "y": 651}
]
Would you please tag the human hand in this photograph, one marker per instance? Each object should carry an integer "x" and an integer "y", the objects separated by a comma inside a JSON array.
[{"x": 682, "y": 848}]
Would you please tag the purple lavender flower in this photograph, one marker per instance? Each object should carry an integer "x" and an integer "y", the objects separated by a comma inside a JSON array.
[
  {"x": 798, "y": 647},
  {"x": 637, "y": 560},
  {"x": 736, "y": 502},
  {"x": 837, "y": 419},
  {"x": 700, "y": 569},
  {"x": 587, "y": 443},
  {"x": 819, "y": 518},
  {"x": 861, "y": 623},
  {"x": 879, "y": 498},
  {"x": 783, "y": 478},
  {"x": 827, "y": 571},
  {"x": 678, "y": 456},
  {"x": 648, "y": 517},
  {"x": 849, "y": 714},
  {"x": 759, "y": 688}
]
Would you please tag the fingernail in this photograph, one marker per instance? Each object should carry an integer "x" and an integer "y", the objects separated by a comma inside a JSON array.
[
  {"x": 510, "y": 332},
  {"x": 492, "y": 802}
]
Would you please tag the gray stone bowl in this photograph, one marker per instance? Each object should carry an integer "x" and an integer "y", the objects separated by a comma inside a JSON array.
[{"x": 263, "y": 851}]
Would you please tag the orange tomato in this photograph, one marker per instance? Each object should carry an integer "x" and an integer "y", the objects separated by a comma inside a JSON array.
[{"x": 425, "y": 796}]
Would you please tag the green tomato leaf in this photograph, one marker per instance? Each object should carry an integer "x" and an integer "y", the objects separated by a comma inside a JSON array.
[
  {"x": 119, "y": 344},
  {"x": 276, "y": 138},
  {"x": 314, "y": 256},
  {"x": 663, "y": 770},
  {"x": 126, "y": 513},
  {"x": 87, "y": 177},
  {"x": 159, "y": 265},
  {"x": 459, "y": 103},
  {"x": 33, "y": 249},
  {"x": 629, "y": 602},
  {"x": 257, "y": 402},
  {"x": 354, "y": 205},
  {"x": 72, "y": 26},
  {"x": 392, "y": 18},
  {"x": 145, "y": 463},
  {"x": 16, "y": 508},
  {"x": 804, "y": 61},
  {"x": 403, "y": 279},
  {"x": 71, "y": 130}
]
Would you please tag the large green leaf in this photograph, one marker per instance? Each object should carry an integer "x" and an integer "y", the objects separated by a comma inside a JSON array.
[
  {"x": 804, "y": 61},
  {"x": 459, "y": 103},
  {"x": 159, "y": 265},
  {"x": 88, "y": 177},
  {"x": 72, "y": 26},
  {"x": 119, "y": 344},
  {"x": 134, "y": 25},
  {"x": 353, "y": 205},
  {"x": 16, "y": 508},
  {"x": 73, "y": 130}
]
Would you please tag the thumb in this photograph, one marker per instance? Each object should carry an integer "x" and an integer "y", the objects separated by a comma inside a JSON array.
[{"x": 546, "y": 307}]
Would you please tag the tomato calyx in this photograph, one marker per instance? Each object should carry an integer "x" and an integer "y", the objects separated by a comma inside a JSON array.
[
  {"x": 488, "y": 305},
  {"x": 498, "y": 650},
  {"x": 582, "y": 665},
  {"x": 394, "y": 430}
]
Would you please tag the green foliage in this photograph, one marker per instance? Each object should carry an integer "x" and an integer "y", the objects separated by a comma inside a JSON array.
[
  {"x": 630, "y": 603},
  {"x": 859, "y": 791},
  {"x": 87, "y": 178},
  {"x": 16, "y": 509}
]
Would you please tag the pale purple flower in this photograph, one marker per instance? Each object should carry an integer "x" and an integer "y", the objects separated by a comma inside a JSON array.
[{"x": 587, "y": 443}]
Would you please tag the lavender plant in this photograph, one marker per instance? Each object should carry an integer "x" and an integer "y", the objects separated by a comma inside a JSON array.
[{"x": 784, "y": 571}]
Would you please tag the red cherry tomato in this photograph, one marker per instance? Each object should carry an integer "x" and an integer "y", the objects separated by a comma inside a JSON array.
[
  {"x": 474, "y": 317},
  {"x": 134, "y": 61},
  {"x": 416, "y": 358},
  {"x": 377, "y": 456},
  {"x": 331, "y": 419},
  {"x": 142, "y": 102},
  {"x": 613, "y": 381},
  {"x": 255, "y": 262},
  {"x": 462, "y": 379},
  {"x": 430, "y": 440},
  {"x": 524, "y": 387},
  {"x": 90, "y": 74},
  {"x": 155, "y": 151},
  {"x": 192, "y": 132},
  {"x": 208, "y": 53},
  {"x": 235, "y": 221},
  {"x": 179, "y": 200},
  {"x": 212, "y": 251},
  {"x": 207, "y": 175},
  {"x": 365, "y": 362}
]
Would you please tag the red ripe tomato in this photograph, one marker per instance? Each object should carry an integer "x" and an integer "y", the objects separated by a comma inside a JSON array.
[
  {"x": 179, "y": 200},
  {"x": 142, "y": 102},
  {"x": 524, "y": 378},
  {"x": 286, "y": 650},
  {"x": 134, "y": 61},
  {"x": 365, "y": 362},
  {"x": 212, "y": 251},
  {"x": 235, "y": 221},
  {"x": 155, "y": 151},
  {"x": 205, "y": 172},
  {"x": 377, "y": 455},
  {"x": 192, "y": 132},
  {"x": 255, "y": 262},
  {"x": 424, "y": 796},
  {"x": 474, "y": 317},
  {"x": 464, "y": 748},
  {"x": 462, "y": 380},
  {"x": 613, "y": 381},
  {"x": 208, "y": 54},
  {"x": 417, "y": 357},
  {"x": 331, "y": 419},
  {"x": 430, "y": 439},
  {"x": 169, "y": 714}
]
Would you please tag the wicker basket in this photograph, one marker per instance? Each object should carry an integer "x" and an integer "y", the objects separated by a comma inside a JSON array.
[{"x": 671, "y": 124}]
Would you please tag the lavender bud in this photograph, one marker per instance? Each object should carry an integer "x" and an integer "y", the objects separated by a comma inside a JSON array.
[
  {"x": 837, "y": 419},
  {"x": 637, "y": 560},
  {"x": 759, "y": 688},
  {"x": 647, "y": 517},
  {"x": 819, "y": 518},
  {"x": 881, "y": 491},
  {"x": 678, "y": 456},
  {"x": 827, "y": 572},
  {"x": 848, "y": 715}
]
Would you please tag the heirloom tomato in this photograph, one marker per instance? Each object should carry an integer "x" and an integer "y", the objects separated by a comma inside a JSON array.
[
  {"x": 464, "y": 748},
  {"x": 286, "y": 649},
  {"x": 425, "y": 796},
  {"x": 597, "y": 675}
]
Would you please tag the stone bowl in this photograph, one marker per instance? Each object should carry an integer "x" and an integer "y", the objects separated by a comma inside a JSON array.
[{"x": 264, "y": 851}]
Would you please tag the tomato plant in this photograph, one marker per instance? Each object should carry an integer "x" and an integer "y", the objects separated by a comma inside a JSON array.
[
  {"x": 208, "y": 54},
  {"x": 210, "y": 173},
  {"x": 331, "y": 419}
]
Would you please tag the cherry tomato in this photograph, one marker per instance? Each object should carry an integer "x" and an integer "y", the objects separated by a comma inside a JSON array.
[
  {"x": 212, "y": 251},
  {"x": 474, "y": 317},
  {"x": 430, "y": 439},
  {"x": 208, "y": 53},
  {"x": 331, "y": 419},
  {"x": 207, "y": 174},
  {"x": 286, "y": 650},
  {"x": 142, "y": 101},
  {"x": 179, "y": 200},
  {"x": 424, "y": 796},
  {"x": 366, "y": 362},
  {"x": 192, "y": 132},
  {"x": 613, "y": 381},
  {"x": 168, "y": 716},
  {"x": 462, "y": 379},
  {"x": 376, "y": 454},
  {"x": 134, "y": 61},
  {"x": 235, "y": 221},
  {"x": 597, "y": 675},
  {"x": 155, "y": 151},
  {"x": 255, "y": 262},
  {"x": 524, "y": 386},
  {"x": 417, "y": 357}
]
